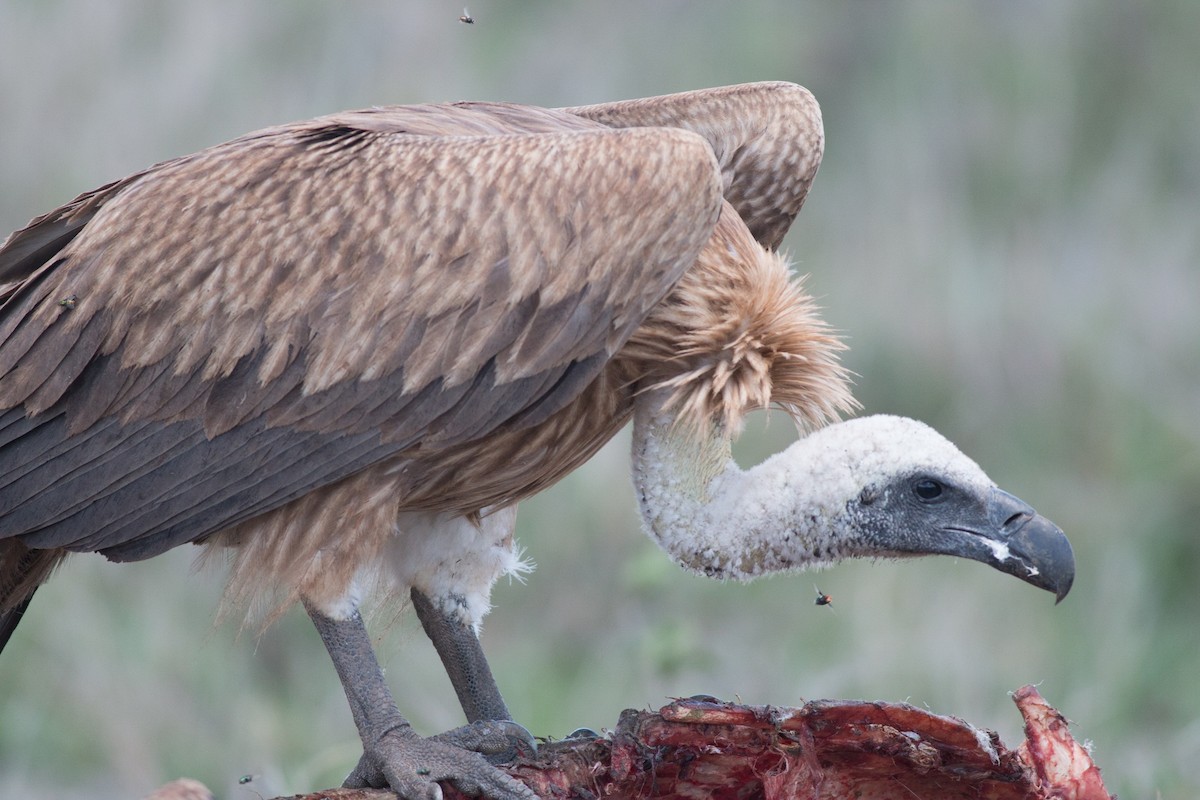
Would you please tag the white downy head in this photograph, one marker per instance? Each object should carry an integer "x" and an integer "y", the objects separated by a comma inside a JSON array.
[{"x": 869, "y": 487}]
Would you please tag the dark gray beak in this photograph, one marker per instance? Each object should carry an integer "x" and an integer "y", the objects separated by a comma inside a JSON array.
[{"x": 1025, "y": 544}]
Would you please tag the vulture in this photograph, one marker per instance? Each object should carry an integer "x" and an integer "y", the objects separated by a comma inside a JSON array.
[{"x": 341, "y": 351}]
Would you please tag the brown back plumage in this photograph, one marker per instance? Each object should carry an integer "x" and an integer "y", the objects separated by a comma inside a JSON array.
[{"x": 423, "y": 305}]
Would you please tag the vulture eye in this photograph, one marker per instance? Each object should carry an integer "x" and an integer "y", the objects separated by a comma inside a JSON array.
[{"x": 927, "y": 489}]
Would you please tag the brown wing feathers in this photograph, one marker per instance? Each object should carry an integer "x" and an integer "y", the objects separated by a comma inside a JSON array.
[
  {"x": 768, "y": 139},
  {"x": 228, "y": 302}
]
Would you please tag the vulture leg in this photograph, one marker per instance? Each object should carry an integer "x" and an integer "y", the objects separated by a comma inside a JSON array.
[
  {"x": 462, "y": 656},
  {"x": 394, "y": 755},
  {"x": 464, "y": 661}
]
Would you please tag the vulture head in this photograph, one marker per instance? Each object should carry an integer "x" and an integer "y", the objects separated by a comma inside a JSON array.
[
  {"x": 873, "y": 487},
  {"x": 919, "y": 496}
]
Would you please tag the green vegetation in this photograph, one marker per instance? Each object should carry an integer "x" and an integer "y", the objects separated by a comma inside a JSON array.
[{"x": 1005, "y": 227}]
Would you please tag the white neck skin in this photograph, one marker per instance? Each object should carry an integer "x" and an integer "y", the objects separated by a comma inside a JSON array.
[{"x": 786, "y": 514}]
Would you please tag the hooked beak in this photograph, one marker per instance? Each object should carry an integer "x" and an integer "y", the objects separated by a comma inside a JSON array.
[{"x": 1025, "y": 544}]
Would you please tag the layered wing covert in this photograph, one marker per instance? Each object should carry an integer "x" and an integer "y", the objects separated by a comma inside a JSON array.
[
  {"x": 768, "y": 138},
  {"x": 227, "y": 331}
]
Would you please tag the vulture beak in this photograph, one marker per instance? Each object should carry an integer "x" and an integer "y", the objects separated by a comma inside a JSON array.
[{"x": 1023, "y": 543}]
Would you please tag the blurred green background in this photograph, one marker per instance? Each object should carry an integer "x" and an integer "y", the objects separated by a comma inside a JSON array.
[{"x": 1005, "y": 227}]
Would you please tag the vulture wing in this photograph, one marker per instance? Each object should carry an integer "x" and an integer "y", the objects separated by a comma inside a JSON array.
[
  {"x": 220, "y": 334},
  {"x": 768, "y": 139},
  {"x": 32, "y": 246}
]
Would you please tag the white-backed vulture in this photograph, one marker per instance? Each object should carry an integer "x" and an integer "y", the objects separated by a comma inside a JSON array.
[{"x": 345, "y": 349}]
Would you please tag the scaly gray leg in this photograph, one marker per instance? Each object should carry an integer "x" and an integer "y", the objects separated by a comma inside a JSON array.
[
  {"x": 462, "y": 656},
  {"x": 393, "y": 754}
]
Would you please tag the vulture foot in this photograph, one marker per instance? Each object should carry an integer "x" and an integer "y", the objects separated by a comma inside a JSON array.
[
  {"x": 394, "y": 756},
  {"x": 411, "y": 765},
  {"x": 499, "y": 741}
]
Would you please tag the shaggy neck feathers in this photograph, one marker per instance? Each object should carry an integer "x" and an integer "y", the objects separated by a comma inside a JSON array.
[{"x": 737, "y": 333}]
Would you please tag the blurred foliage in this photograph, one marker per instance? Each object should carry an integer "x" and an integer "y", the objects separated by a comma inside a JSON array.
[{"x": 1004, "y": 228}]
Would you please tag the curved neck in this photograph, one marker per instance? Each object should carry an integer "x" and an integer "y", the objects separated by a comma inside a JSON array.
[{"x": 714, "y": 518}]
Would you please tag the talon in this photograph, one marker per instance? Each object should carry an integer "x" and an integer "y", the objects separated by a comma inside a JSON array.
[
  {"x": 411, "y": 766},
  {"x": 500, "y": 741},
  {"x": 583, "y": 733}
]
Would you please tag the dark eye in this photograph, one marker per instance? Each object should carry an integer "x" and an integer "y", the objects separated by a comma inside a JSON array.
[{"x": 927, "y": 489}]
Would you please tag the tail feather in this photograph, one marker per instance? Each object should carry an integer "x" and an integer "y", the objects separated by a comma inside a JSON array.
[
  {"x": 10, "y": 618},
  {"x": 22, "y": 571}
]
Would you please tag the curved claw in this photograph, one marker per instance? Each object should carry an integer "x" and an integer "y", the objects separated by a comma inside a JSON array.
[
  {"x": 500, "y": 741},
  {"x": 582, "y": 733},
  {"x": 411, "y": 766}
]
